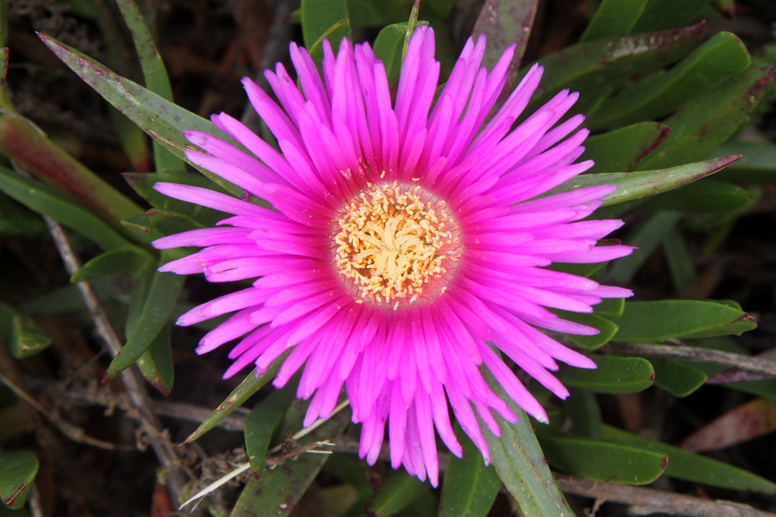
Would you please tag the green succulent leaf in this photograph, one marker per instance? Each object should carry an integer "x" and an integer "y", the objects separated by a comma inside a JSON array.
[
  {"x": 156, "y": 363},
  {"x": 262, "y": 423},
  {"x": 665, "y": 14},
  {"x": 589, "y": 67},
  {"x": 646, "y": 237},
  {"x": 709, "y": 120},
  {"x": 45, "y": 200},
  {"x": 603, "y": 461},
  {"x": 520, "y": 462},
  {"x": 319, "y": 16},
  {"x": 388, "y": 48},
  {"x": 124, "y": 260},
  {"x": 676, "y": 377},
  {"x": 719, "y": 58},
  {"x": 649, "y": 322},
  {"x": 17, "y": 473},
  {"x": 247, "y": 388},
  {"x": 399, "y": 491},
  {"x": 171, "y": 223},
  {"x": 277, "y": 491},
  {"x": 709, "y": 196},
  {"x": 688, "y": 466},
  {"x": 154, "y": 73},
  {"x": 621, "y": 149},
  {"x": 504, "y": 23},
  {"x": 161, "y": 119},
  {"x": 613, "y": 18},
  {"x": 21, "y": 334},
  {"x": 613, "y": 374},
  {"x": 755, "y": 166},
  {"x": 636, "y": 185},
  {"x": 156, "y": 313},
  {"x": 606, "y": 329},
  {"x": 470, "y": 487},
  {"x": 334, "y": 35}
]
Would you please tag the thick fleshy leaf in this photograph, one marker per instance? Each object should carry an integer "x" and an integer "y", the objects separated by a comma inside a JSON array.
[
  {"x": 154, "y": 73},
  {"x": 334, "y": 34},
  {"x": 664, "y": 14},
  {"x": 709, "y": 196},
  {"x": 614, "y": 375},
  {"x": 646, "y": 237},
  {"x": 163, "y": 120},
  {"x": 157, "y": 310},
  {"x": 613, "y": 18},
  {"x": 247, "y": 388},
  {"x": 505, "y": 22},
  {"x": 722, "y": 56},
  {"x": 399, "y": 491},
  {"x": 17, "y": 473},
  {"x": 262, "y": 423},
  {"x": 676, "y": 377},
  {"x": 611, "y": 308},
  {"x": 124, "y": 260},
  {"x": 584, "y": 412},
  {"x": 709, "y": 120},
  {"x": 603, "y": 461},
  {"x": 520, "y": 462},
  {"x": 277, "y": 491},
  {"x": 46, "y": 200},
  {"x": 170, "y": 223},
  {"x": 367, "y": 13},
  {"x": 587, "y": 67},
  {"x": 649, "y": 322},
  {"x": 141, "y": 228},
  {"x": 37, "y": 153},
  {"x": 21, "y": 334},
  {"x": 680, "y": 262},
  {"x": 746, "y": 422},
  {"x": 621, "y": 149},
  {"x": 607, "y": 329},
  {"x": 637, "y": 185},
  {"x": 318, "y": 16},
  {"x": 388, "y": 48},
  {"x": 143, "y": 184},
  {"x": 755, "y": 166},
  {"x": 470, "y": 487},
  {"x": 689, "y": 466}
]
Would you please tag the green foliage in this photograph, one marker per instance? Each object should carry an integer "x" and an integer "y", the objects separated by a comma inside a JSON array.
[
  {"x": 276, "y": 491},
  {"x": 520, "y": 463},
  {"x": 613, "y": 374},
  {"x": 247, "y": 388},
  {"x": 17, "y": 473},
  {"x": 470, "y": 487},
  {"x": 21, "y": 334},
  {"x": 649, "y": 322},
  {"x": 603, "y": 461},
  {"x": 663, "y": 101}
]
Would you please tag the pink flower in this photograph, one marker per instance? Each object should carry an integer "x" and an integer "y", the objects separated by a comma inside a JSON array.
[{"x": 405, "y": 238}]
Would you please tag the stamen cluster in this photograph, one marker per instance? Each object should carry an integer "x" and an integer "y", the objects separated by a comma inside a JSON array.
[{"x": 395, "y": 241}]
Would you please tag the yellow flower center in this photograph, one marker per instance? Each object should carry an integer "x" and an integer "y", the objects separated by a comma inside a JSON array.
[{"x": 395, "y": 244}]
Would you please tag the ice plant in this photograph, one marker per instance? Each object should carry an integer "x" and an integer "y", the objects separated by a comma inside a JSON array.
[{"x": 405, "y": 240}]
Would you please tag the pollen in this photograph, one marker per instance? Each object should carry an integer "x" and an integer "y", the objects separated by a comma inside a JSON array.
[{"x": 396, "y": 245}]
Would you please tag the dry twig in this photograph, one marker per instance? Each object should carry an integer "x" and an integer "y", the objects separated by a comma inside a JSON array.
[
  {"x": 149, "y": 424},
  {"x": 648, "y": 501},
  {"x": 698, "y": 355}
]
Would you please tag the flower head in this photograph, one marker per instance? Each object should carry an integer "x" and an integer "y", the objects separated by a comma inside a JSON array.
[{"x": 405, "y": 239}]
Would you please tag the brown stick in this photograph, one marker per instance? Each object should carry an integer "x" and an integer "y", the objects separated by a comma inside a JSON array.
[
  {"x": 647, "y": 501},
  {"x": 149, "y": 424},
  {"x": 699, "y": 355}
]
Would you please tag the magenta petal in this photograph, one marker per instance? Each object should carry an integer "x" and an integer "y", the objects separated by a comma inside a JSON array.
[{"x": 397, "y": 310}]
